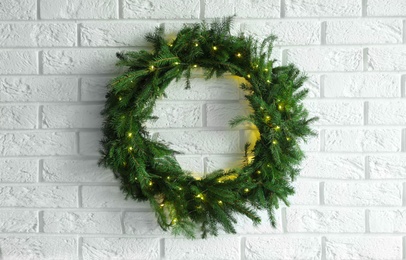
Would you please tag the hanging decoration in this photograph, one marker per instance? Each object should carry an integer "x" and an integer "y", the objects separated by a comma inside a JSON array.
[{"x": 148, "y": 169}]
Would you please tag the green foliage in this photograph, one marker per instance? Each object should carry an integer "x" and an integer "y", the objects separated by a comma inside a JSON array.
[{"x": 148, "y": 169}]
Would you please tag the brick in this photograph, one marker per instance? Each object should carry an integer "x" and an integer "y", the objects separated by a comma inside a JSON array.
[
  {"x": 18, "y": 62},
  {"x": 363, "y": 194},
  {"x": 336, "y": 112},
  {"x": 38, "y": 196},
  {"x": 76, "y": 9},
  {"x": 224, "y": 88},
  {"x": 18, "y": 221},
  {"x": 115, "y": 33},
  {"x": 387, "y": 112},
  {"x": 362, "y": 140},
  {"x": 69, "y": 116},
  {"x": 18, "y": 170},
  {"x": 171, "y": 114},
  {"x": 386, "y": 8},
  {"x": 364, "y": 31},
  {"x": 191, "y": 163},
  {"x": 40, "y": 34},
  {"x": 256, "y": 9},
  {"x": 219, "y": 115},
  {"x": 141, "y": 224},
  {"x": 125, "y": 248},
  {"x": 288, "y": 32},
  {"x": 18, "y": 10},
  {"x": 313, "y": 85},
  {"x": 165, "y": 9},
  {"x": 198, "y": 142},
  {"x": 40, "y": 247},
  {"x": 324, "y": 166},
  {"x": 37, "y": 89},
  {"x": 387, "y": 167},
  {"x": 60, "y": 170},
  {"x": 89, "y": 143},
  {"x": 281, "y": 248},
  {"x": 108, "y": 197},
  {"x": 94, "y": 89},
  {"x": 325, "y": 59},
  {"x": 322, "y": 8},
  {"x": 358, "y": 247},
  {"x": 325, "y": 220},
  {"x": 306, "y": 193},
  {"x": 82, "y": 222},
  {"x": 242, "y": 9},
  {"x": 214, "y": 248},
  {"x": 79, "y": 61},
  {"x": 18, "y": 117},
  {"x": 386, "y": 58},
  {"x": 244, "y": 225},
  {"x": 39, "y": 143},
  {"x": 387, "y": 221},
  {"x": 213, "y": 163},
  {"x": 361, "y": 85}
]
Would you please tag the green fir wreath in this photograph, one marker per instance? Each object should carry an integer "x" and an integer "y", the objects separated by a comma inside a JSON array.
[{"x": 148, "y": 169}]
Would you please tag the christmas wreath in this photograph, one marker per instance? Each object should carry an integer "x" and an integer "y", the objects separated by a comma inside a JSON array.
[{"x": 148, "y": 169}]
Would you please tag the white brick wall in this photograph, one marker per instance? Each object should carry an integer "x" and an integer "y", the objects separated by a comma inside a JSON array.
[{"x": 56, "y": 57}]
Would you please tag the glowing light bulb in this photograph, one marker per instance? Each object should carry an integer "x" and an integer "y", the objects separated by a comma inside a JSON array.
[
  {"x": 277, "y": 128},
  {"x": 266, "y": 69},
  {"x": 130, "y": 148},
  {"x": 248, "y": 76},
  {"x": 196, "y": 44},
  {"x": 120, "y": 98},
  {"x": 258, "y": 172},
  {"x": 150, "y": 183},
  {"x": 288, "y": 139},
  {"x": 246, "y": 190},
  {"x": 130, "y": 134},
  {"x": 215, "y": 48},
  {"x": 195, "y": 66},
  {"x": 274, "y": 142},
  {"x": 239, "y": 55},
  {"x": 152, "y": 67},
  {"x": 162, "y": 205},
  {"x": 220, "y": 202}
]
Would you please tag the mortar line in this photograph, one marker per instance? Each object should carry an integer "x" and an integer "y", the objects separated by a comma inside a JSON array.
[
  {"x": 242, "y": 248},
  {"x": 120, "y": 9},
  {"x": 40, "y": 64},
  {"x": 403, "y": 141},
  {"x": 80, "y": 246},
  {"x": 403, "y": 248},
  {"x": 367, "y": 223},
  {"x": 322, "y": 135},
  {"x": 202, "y": 9},
  {"x": 122, "y": 222},
  {"x": 402, "y": 86},
  {"x": 322, "y": 85},
  {"x": 364, "y": 8},
  {"x": 40, "y": 170},
  {"x": 321, "y": 193},
  {"x": 404, "y": 31},
  {"x": 39, "y": 116},
  {"x": 78, "y": 34},
  {"x": 283, "y": 7},
  {"x": 366, "y": 109},
  {"x": 80, "y": 196},
  {"x": 162, "y": 248},
  {"x": 40, "y": 221},
  {"x": 79, "y": 96},
  {"x": 76, "y": 145},
  {"x": 365, "y": 59},
  {"x": 284, "y": 221},
  {"x": 38, "y": 10},
  {"x": 323, "y": 34},
  {"x": 367, "y": 168},
  {"x": 323, "y": 248}
]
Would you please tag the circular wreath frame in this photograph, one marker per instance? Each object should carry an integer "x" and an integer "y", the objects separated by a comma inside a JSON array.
[{"x": 148, "y": 169}]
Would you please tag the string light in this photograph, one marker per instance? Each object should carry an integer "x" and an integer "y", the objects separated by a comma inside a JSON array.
[
  {"x": 277, "y": 128},
  {"x": 120, "y": 98},
  {"x": 248, "y": 76},
  {"x": 200, "y": 196},
  {"x": 258, "y": 172},
  {"x": 261, "y": 108},
  {"x": 239, "y": 55},
  {"x": 151, "y": 67},
  {"x": 220, "y": 202},
  {"x": 268, "y": 165},
  {"x": 215, "y": 48},
  {"x": 267, "y": 118},
  {"x": 266, "y": 70},
  {"x": 130, "y": 134},
  {"x": 281, "y": 106},
  {"x": 288, "y": 139},
  {"x": 130, "y": 148},
  {"x": 174, "y": 221},
  {"x": 196, "y": 44},
  {"x": 268, "y": 81},
  {"x": 150, "y": 183},
  {"x": 246, "y": 190},
  {"x": 274, "y": 142},
  {"x": 176, "y": 63},
  {"x": 195, "y": 66},
  {"x": 162, "y": 205},
  {"x": 168, "y": 178}
]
